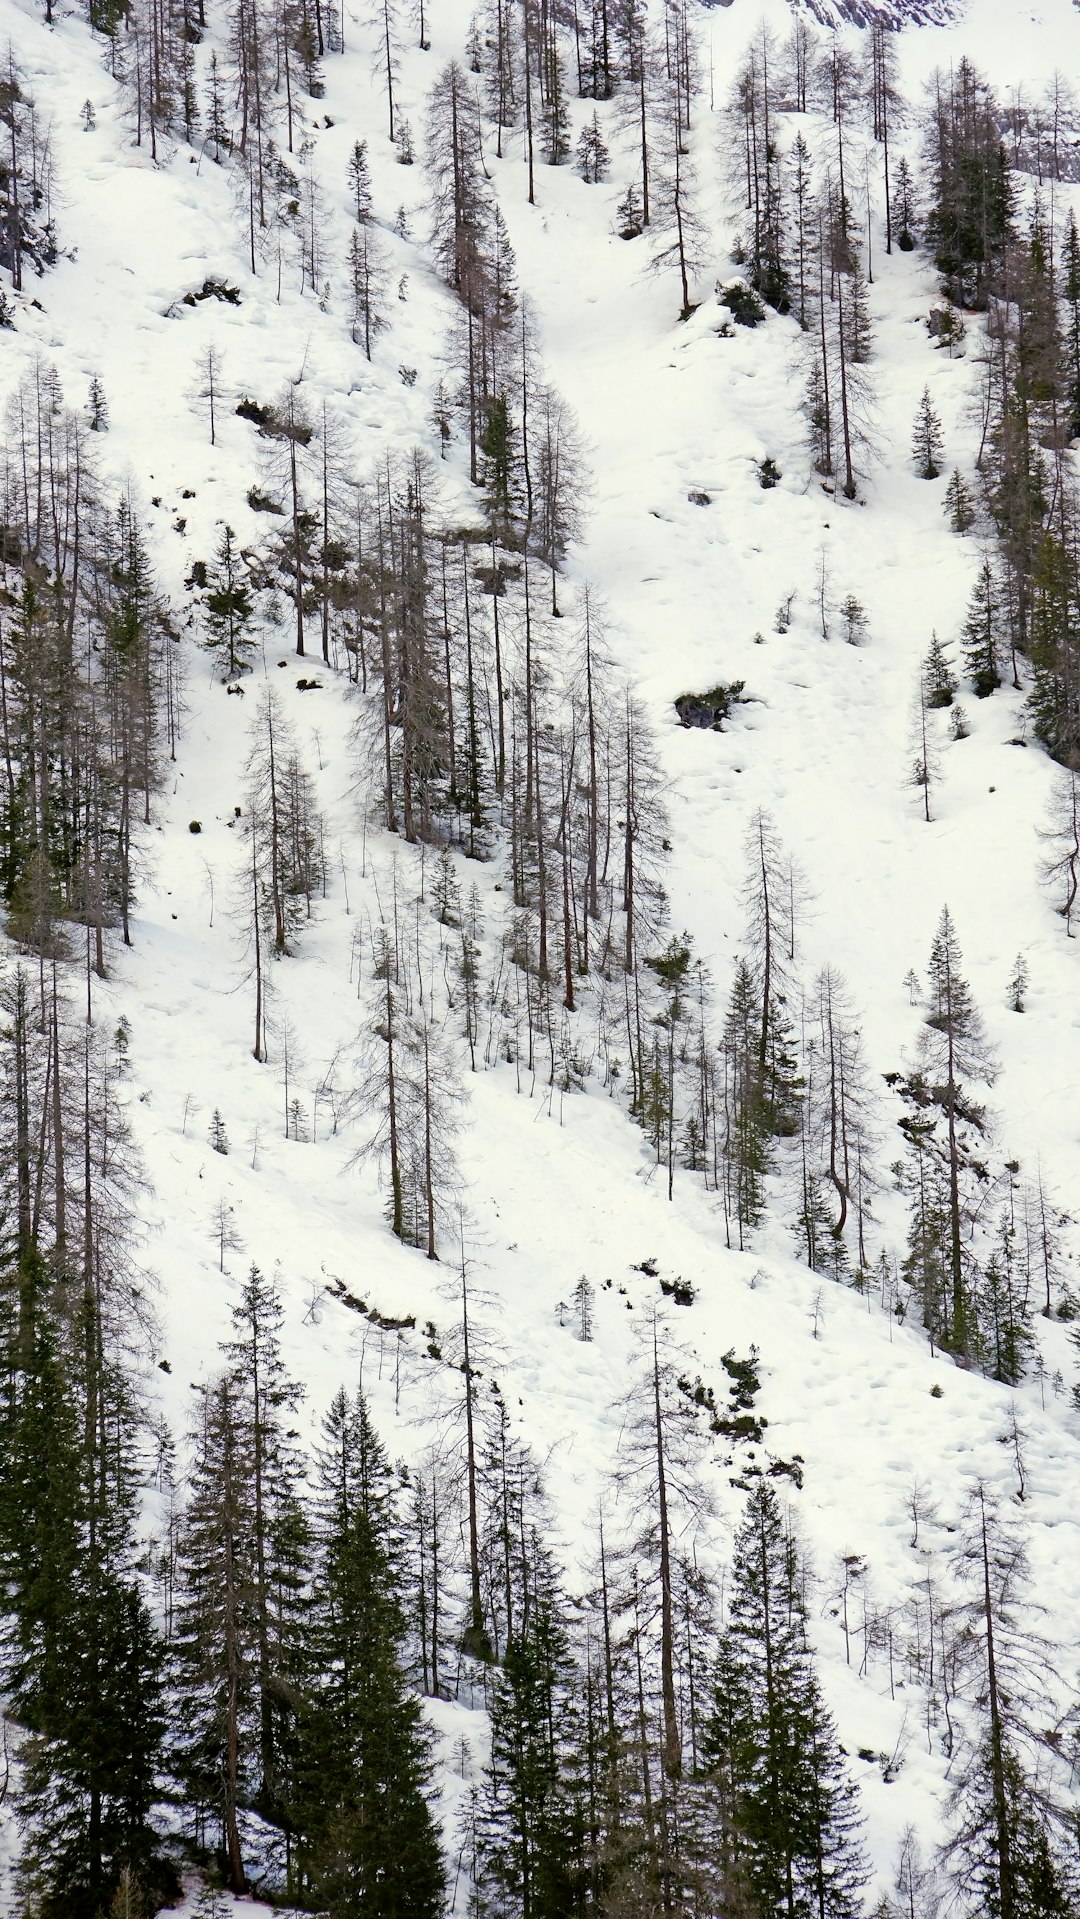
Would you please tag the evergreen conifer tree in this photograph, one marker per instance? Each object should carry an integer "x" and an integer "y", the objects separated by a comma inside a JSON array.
[
  {"x": 853, "y": 619},
  {"x": 359, "y": 173},
  {"x": 529, "y": 1827},
  {"x": 217, "y": 1643},
  {"x": 970, "y": 218},
  {"x": 1070, "y": 288},
  {"x": 592, "y": 154},
  {"x": 958, "y": 504},
  {"x": 499, "y": 469},
  {"x": 903, "y": 206},
  {"x": 745, "y": 1129},
  {"x": 265, "y": 1400},
  {"x": 770, "y": 1743},
  {"x": 937, "y": 674},
  {"x": 1004, "y": 1854},
  {"x": 1004, "y": 1308},
  {"x": 82, "y": 1662},
  {"x": 229, "y": 608},
  {"x": 369, "y": 1844},
  {"x": 90, "y": 1765},
  {"x": 927, "y": 444},
  {"x": 98, "y": 407},
  {"x": 1001, "y": 1855},
  {"x": 946, "y": 1174},
  {"x": 981, "y": 634}
]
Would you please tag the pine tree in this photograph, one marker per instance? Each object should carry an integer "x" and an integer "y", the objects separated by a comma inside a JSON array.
[
  {"x": 937, "y": 675},
  {"x": 1004, "y": 1307},
  {"x": 855, "y": 623},
  {"x": 954, "y": 1051},
  {"x": 770, "y": 1743},
  {"x": 368, "y": 1841},
  {"x": 217, "y": 1634},
  {"x": 745, "y": 1132},
  {"x": 629, "y": 214},
  {"x": 658, "y": 1114},
  {"x": 927, "y": 444},
  {"x": 499, "y": 470},
  {"x": 229, "y": 610},
  {"x": 90, "y": 1765},
  {"x": 82, "y": 1662},
  {"x": 359, "y": 173},
  {"x": 367, "y": 287},
  {"x": 981, "y": 634},
  {"x": 925, "y": 1264},
  {"x": 218, "y": 136},
  {"x": 970, "y": 219},
  {"x": 283, "y": 872},
  {"x": 857, "y": 332},
  {"x": 528, "y": 1843},
  {"x": 98, "y": 407},
  {"x": 264, "y": 1399},
  {"x": 593, "y": 157},
  {"x": 903, "y": 206},
  {"x": 555, "y": 116},
  {"x": 583, "y": 1297},
  {"x": 1003, "y": 1853},
  {"x": 957, "y": 504},
  {"x": 1070, "y": 289}
]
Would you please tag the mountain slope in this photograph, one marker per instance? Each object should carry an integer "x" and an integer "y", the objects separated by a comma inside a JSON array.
[{"x": 560, "y": 1184}]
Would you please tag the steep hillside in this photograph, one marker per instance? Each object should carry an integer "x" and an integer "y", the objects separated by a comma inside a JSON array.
[{"x": 687, "y": 557}]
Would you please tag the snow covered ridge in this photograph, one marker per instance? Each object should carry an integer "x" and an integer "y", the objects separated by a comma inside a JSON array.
[
  {"x": 894, "y": 15},
  {"x": 448, "y": 936}
]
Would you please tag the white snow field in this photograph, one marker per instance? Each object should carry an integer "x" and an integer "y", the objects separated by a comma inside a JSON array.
[{"x": 559, "y": 1186}]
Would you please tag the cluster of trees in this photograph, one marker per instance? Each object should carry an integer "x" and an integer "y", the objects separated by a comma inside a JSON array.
[
  {"x": 89, "y": 685},
  {"x": 260, "y": 1665},
  {"x": 636, "y": 1758},
  {"x": 780, "y": 1105},
  {"x": 89, "y": 705},
  {"x": 485, "y": 722},
  {"x": 250, "y": 1663},
  {"x": 983, "y": 1250},
  {"x": 82, "y": 1656},
  {"x": 649, "y": 1756},
  {"x": 287, "y": 1584},
  {"x": 806, "y": 225},
  {"x": 27, "y": 185},
  {"x": 770, "y": 1102},
  {"x": 284, "y": 864},
  {"x": 489, "y": 721},
  {"x": 652, "y": 1749},
  {"x": 1023, "y": 274}
]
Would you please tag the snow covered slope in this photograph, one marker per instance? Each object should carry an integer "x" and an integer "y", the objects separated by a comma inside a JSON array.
[{"x": 557, "y": 1186}]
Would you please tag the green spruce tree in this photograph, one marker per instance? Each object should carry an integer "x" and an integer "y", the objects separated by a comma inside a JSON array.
[
  {"x": 368, "y": 1840},
  {"x": 228, "y": 608},
  {"x": 927, "y": 444},
  {"x": 770, "y": 1744},
  {"x": 938, "y": 675}
]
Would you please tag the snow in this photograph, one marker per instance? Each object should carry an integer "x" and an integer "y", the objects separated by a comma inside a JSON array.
[{"x": 557, "y": 1188}]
